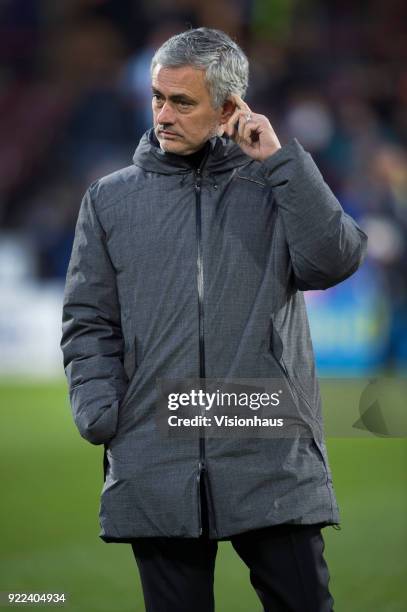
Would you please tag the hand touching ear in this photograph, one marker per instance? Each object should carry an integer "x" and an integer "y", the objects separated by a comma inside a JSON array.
[{"x": 252, "y": 132}]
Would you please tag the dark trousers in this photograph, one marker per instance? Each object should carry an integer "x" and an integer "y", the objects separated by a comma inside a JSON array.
[{"x": 286, "y": 563}]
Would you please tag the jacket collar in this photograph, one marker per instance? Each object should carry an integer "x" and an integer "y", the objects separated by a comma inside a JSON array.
[{"x": 223, "y": 155}]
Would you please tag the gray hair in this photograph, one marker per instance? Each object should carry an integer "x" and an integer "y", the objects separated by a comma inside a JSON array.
[{"x": 226, "y": 66}]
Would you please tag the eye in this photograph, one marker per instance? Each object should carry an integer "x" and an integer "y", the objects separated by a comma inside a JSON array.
[
  {"x": 157, "y": 98},
  {"x": 183, "y": 105}
]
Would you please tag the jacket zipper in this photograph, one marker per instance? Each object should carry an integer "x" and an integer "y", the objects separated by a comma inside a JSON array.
[{"x": 200, "y": 285}]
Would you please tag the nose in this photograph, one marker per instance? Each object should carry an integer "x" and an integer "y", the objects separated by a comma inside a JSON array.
[{"x": 166, "y": 115}]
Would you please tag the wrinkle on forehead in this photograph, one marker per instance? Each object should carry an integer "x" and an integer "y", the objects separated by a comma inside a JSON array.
[{"x": 180, "y": 80}]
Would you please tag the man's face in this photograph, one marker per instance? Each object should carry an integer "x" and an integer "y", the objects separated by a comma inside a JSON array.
[{"x": 184, "y": 118}]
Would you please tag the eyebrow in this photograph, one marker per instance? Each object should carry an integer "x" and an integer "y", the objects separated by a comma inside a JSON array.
[{"x": 175, "y": 97}]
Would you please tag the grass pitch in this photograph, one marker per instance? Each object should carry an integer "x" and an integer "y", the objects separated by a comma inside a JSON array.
[{"x": 51, "y": 481}]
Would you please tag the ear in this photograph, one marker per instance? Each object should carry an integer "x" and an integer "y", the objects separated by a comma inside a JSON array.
[{"x": 228, "y": 108}]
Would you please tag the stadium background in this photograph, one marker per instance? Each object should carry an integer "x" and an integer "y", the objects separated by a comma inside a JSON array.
[{"x": 74, "y": 101}]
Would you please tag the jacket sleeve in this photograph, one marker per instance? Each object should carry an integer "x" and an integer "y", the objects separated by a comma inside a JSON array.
[
  {"x": 326, "y": 245},
  {"x": 92, "y": 342}
]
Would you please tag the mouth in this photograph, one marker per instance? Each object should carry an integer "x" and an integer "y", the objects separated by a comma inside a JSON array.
[{"x": 167, "y": 133}]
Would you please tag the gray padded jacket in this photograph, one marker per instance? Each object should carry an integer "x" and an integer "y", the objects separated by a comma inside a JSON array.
[{"x": 177, "y": 273}]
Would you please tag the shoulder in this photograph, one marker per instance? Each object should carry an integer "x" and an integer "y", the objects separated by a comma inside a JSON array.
[{"x": 114, "y": 187}]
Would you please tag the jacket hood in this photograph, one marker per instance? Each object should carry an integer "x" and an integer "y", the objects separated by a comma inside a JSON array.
[{"x": 224, "y": 155}]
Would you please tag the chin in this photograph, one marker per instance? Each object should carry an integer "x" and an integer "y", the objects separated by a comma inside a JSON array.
[
  {"x": 172, "y": 147},
  {"x": 167, "y": 144}
]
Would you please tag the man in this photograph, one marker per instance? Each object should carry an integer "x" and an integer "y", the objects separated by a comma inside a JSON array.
[{"x": 191, "y": 263}]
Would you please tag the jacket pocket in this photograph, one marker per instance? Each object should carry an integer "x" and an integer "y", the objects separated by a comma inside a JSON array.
[
  {"x": 132, "y": 367},
  {"x": 300, "y": 396},
  {"x": 275, "y": 348},
  {"x": 126, "y": 395},
  {"x": 130, "y": 361},
  {"x": 321, "y": 451},
  {"x": 122, "y": 405},
  {"x": 275, "y": 351}
]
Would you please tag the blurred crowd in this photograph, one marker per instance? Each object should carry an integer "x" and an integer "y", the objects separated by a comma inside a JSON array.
[{"x": 75, "y": 99}]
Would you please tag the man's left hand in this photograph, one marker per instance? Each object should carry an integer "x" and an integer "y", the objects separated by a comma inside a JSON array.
[{"x": 252, "y": 132}]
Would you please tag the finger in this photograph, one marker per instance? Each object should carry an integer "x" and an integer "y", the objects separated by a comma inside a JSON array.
[
  {"x": 232, "y": 123},
  {"x": 250, "y": 131},
  {"x": 243, "y": 120},
  {"x": 241, "y": 104},
  {"x": 246, "y": 124}
]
